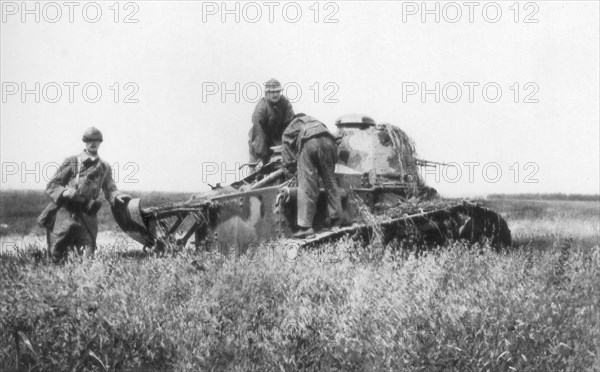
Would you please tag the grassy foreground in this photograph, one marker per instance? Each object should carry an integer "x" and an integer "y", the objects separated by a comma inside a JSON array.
[{"x": 342, "y": 307}]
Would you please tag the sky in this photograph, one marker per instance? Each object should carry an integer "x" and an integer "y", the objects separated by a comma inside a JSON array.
[{"x": 505, "y": 93}]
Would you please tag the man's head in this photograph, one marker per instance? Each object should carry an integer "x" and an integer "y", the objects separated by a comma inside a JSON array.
[
  {"x": 273, "y": 90},
  {"x": 92, "y": 138}
]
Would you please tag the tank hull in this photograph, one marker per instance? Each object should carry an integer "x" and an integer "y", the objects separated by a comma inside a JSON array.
[{"x": 382, "y": 195}]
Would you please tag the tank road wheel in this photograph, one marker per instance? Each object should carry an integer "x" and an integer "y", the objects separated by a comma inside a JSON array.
[{"x": 485, "y": 225}]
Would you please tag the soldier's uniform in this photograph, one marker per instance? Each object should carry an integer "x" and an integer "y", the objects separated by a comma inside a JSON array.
[
  {"x": 308, "y": 144},
  {"x": 269, "y": 121},
  {"x": 73, "y": 221}
]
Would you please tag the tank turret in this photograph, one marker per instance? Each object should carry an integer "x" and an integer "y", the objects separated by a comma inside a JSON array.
[{"x": 383, "y": 152}]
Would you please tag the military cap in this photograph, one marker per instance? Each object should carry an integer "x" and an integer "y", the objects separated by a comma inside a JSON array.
[
  {"x": 92, "y": 134},
  {"x": 273, "y": 85}
]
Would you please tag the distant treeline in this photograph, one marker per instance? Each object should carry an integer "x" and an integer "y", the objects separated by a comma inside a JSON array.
[
  {"x": 554, "y": 196},
  {"x": 19, "y": 209}
]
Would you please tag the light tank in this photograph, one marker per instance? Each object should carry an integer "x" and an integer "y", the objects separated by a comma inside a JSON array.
[{"x": 383, "y": 195}]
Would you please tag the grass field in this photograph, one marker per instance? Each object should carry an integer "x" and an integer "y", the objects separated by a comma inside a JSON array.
[{"x": 341, "y": 307}]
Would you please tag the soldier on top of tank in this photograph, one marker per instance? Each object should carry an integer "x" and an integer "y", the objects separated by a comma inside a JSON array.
[
  {"x": 312, "y": 149},
  {"x": 272, "y": 115}
]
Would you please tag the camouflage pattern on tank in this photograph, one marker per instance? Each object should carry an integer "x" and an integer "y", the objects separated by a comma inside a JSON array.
[{"x": 378, "y": 173}]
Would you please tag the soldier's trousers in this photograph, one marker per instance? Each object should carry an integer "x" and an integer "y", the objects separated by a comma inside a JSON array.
[
  {"x": 317, "y": 159},
  {"x": 72, "y": 229}
]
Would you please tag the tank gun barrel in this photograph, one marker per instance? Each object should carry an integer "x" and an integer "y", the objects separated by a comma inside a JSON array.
[{"x": 429, "y": 163}]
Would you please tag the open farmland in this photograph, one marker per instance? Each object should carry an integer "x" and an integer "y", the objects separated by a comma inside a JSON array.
[{"x": 339, "y": 307}]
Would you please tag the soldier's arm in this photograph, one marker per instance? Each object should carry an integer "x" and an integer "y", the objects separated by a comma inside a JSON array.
[
  {"x": 110, "y": 187},
  {"x": 58, "y": 183},
  {"x": 259, "y": 116},
  {"x": 289, "y": 114},
  {"x": 258, "y": 138},
  {"x": 288, "y": 148}
]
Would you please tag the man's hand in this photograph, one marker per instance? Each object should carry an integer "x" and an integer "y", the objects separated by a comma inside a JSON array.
[
  {"x": 69, "y": 194},
  {"x": 259, "y": 165},
  {"x": 123, "y": 198},
  {"x": 94, "y": 206}
]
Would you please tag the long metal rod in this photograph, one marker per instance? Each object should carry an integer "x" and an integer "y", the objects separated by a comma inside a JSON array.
[{"x": 267, "y": 179}]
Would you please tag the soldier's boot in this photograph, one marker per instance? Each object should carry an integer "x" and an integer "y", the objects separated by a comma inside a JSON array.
[
  {"x": 58, "y": 245},
  {"x": 84, "y": 251},
  {"x": 56, "y": 253},
  {"x": 337, "y": 223},
  {"x": 304, "y": 232},
  {"x": 89, "y": 251}
]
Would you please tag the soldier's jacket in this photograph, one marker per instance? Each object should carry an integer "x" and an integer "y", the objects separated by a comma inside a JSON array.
[
  {"x": 307, "y": 142},
  {"x": 300, "y": 130},
  {"x": 94, "y": 176},
  {"x": 269, "y": 121}
]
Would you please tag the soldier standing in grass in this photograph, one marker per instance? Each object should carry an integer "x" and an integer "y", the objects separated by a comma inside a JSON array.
[
  {"x": 71, "y": 217},
  {"x": 312, "y": 149},
  {"x": 272, "y": 115}
]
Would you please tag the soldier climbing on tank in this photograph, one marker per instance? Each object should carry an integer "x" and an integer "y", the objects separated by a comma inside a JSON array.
[
  {"x": 70, "y": 218},
  {"x": 312, "y": 149},
  {"x": 272, "y": 115}
]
